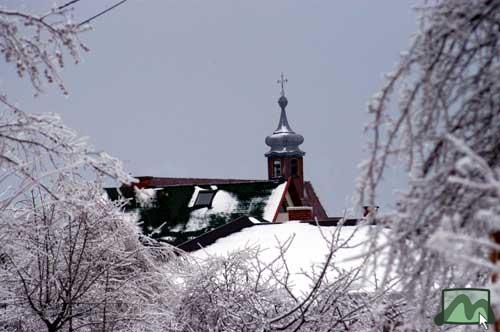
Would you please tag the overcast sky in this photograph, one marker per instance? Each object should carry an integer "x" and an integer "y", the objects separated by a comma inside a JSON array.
[{"x": 188, "y": 88}]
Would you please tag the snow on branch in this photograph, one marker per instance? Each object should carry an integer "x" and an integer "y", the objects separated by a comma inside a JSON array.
[
  {"x": 35, "y": 44},
  {"x": 442, "y": 129}
]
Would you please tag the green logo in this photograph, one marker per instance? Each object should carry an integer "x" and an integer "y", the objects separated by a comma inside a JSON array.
[{"x": 465, "y": 306}]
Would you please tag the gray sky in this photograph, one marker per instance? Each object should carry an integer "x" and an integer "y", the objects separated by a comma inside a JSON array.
[{"x": 188, "y": 88}]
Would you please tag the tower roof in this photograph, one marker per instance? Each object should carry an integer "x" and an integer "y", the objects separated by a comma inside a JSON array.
[{"x": 284, "y": 141}]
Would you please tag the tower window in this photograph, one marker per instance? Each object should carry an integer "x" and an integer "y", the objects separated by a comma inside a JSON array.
[
  {"x": 277, "y": 168},
  {"x": 294, "y": 167}
]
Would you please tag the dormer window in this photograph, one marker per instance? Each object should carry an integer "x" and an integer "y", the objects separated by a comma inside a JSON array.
[
  {"x": 277, "y": 168},
  {"x": 294, "y": 167},
  {"x": 204, "y": 199}
]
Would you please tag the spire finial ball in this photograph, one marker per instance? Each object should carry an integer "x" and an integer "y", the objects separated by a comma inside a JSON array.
[{"x": 282, "y": 101}]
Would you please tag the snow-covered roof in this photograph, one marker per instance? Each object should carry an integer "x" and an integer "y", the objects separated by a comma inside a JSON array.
[
  {"x": 170, "y": 213},
  {"x": 308, "y": 248}
]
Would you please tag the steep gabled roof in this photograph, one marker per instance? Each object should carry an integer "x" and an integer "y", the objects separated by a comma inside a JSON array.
[
  {"x": 311, "y": 199},
  {"x": 279, "y": 197},
  {"x": 166, "y": 212}
]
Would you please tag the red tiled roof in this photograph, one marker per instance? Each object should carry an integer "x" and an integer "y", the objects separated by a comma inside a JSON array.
[
  {"x": 313, "y": 200},
  {"x": 150, "y": 181}
]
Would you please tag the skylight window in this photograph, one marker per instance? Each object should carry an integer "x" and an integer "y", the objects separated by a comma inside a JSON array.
[{"x": 204, "y": 198}]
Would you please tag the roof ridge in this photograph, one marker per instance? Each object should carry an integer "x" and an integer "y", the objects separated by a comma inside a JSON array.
[
  {"x": 191, "y": 178},
  {"x": 151, "y": 181}
]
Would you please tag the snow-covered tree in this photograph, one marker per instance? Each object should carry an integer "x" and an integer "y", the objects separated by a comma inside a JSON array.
[
  {"x": 445, "y": 129},
  {"x": 34, "y": 147},
  {"x": 245, "y": 292},
  {"x": 69, "y": 259},
  {"x": 36, "y": 44},
  {"x": 79, "y": 264}
]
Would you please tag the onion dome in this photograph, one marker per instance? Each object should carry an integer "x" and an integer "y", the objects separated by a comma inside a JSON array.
[{"x": 284, "y": 141}]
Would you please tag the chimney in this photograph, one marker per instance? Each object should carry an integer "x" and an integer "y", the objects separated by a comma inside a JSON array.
[
  {"x": 300, "y": 213},
  {"x": 367, "y": 209}
]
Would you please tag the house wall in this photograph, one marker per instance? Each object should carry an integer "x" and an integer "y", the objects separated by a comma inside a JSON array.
[{"x": 282, "y": 216}]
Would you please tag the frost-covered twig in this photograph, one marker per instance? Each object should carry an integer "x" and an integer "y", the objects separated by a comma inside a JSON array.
[{"x": 445, "y": 129}]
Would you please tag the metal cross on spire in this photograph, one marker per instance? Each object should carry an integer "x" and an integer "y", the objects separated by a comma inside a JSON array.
[{"x": 282, "y": 81}]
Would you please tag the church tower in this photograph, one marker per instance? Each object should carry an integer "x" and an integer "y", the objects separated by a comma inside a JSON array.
[{"x": 285, "y": 159}]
